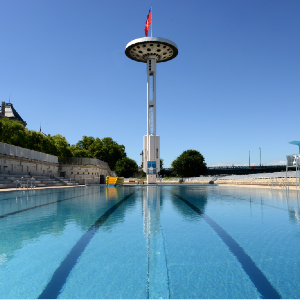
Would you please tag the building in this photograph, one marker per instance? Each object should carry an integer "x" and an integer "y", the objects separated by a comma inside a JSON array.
[
  {"x": 42, "y": 133},
  {"x": 8, "y": 111}
]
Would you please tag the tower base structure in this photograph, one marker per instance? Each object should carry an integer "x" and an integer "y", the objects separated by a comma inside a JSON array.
[{"x": 151, "y": 157}]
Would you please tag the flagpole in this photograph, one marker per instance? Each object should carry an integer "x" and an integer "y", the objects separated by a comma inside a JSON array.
[{"x": 151, "y": 20}]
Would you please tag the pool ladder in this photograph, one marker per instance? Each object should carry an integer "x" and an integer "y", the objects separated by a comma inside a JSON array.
[
  {"x": 159, "y": 177},
  {"x": 29, "y": 184}
]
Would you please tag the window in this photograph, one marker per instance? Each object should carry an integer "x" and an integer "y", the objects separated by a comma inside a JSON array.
[{"x": 151, "y": 164}]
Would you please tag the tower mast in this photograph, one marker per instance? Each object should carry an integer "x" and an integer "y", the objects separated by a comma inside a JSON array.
[
  {"x": 151, "y": 50},
  {"x": 151, "y": 20}
]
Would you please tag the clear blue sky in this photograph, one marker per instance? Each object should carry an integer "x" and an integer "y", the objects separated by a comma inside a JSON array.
[{"x": 234, "y": 86}]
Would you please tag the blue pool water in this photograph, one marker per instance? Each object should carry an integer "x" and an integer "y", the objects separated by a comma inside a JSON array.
[{"x": 150, "y": 242}]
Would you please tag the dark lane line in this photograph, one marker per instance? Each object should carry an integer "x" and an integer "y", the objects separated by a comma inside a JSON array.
[
  {"x": 61, "y": 274},
  {"x": 33, "y": 207},
  {"x": 259, "y": 280}
]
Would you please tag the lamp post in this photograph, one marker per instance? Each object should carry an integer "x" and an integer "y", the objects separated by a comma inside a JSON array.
[
  {"x": 249, "y": 159},
  {"x": 259, "y": 156}
]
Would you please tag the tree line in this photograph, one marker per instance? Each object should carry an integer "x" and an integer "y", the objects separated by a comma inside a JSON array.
[
  {"x": 14, "y": 133},
  {"x": 190, "y": 163}
]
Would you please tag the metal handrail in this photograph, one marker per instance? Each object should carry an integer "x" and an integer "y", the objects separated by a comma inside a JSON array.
[{"x": 29, "y": 183}]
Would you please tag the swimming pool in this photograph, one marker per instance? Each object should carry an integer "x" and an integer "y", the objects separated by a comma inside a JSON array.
[{"x": 149, "y": 242}]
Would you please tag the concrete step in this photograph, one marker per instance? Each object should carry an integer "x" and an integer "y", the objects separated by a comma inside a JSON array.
[
  {"x": 55, "y": 184},
  {"x": 6, "y": 182},
  {"x": 41, "y": 179},
  {"x": 25, "y": 181},
  {"x": 19, "y": 174},
  {"x": 7, "y": 186},
  {"x": 12, "y": 178},
  {"x": 49, "y": 181}
]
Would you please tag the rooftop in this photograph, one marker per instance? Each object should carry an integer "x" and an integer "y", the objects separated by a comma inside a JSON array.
[{"x": 8, "y": 111}]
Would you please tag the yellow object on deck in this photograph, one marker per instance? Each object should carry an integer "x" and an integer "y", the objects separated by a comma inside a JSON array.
[{"x": 114, "y": 180}]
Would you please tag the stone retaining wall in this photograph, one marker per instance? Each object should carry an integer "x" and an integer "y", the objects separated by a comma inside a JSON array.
[
  {"x": 82, "y": 174},
  {"x": 24, "y": 166}
]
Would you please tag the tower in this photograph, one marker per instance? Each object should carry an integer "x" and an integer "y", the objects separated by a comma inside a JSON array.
[{"x": 151, "y": 50}]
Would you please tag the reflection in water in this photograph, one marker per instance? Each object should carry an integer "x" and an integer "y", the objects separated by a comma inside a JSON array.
[
  {"x": 283, "y": 199},
  {"x": 293, "y": 207},
  {"x": 151, "y": 209},
  {"x": 74, "y": 208},
  {"x": 3, "y": 258},
  {"x": 196, "y": 196},
  {"x": 113, "y": 193},
  {"x": 158, "y": 283}
]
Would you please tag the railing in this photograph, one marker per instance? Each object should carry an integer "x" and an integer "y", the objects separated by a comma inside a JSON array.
[
  {"x": 159, "y": 177},
  {"x": 244, "y": 167},
  {"x": 23, "y": 183},
  {"x": 59, "y": 179},
  {"x": 83, "y": 161},
  {"x": 16, "y": 151}
]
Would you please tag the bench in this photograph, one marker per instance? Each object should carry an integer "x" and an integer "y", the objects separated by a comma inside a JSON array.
[
  {"x": 132, "y": 181},
  {"x": 140, "y": 182}
]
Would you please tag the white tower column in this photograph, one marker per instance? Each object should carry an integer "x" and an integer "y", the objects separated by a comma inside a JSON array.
[{"x": 151, "y": 162}]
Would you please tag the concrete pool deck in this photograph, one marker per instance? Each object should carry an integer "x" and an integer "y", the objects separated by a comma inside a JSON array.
[
  {"x": 170, "y": 183},
  {"x": 263, "y": 185},
  {"x": 39, "y": 188}
]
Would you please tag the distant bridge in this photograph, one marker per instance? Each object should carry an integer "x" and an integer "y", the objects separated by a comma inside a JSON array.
[
  {"x": 237, "y": 170},
  {"x": 241, "y": 170}
]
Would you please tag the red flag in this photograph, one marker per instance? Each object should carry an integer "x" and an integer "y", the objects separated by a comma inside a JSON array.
[
  {"x": 148, "y": 23},
  {"x": 149, "y": 18},
  {"x": 146, "y": 28}
]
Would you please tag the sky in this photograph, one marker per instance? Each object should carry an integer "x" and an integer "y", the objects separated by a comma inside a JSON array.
[{"x": 233, "y": 88}]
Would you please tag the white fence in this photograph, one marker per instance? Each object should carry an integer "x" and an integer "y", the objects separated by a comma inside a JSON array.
[
  {"x": 83, "y": 161},
  {"x": 26, "y": 153}
]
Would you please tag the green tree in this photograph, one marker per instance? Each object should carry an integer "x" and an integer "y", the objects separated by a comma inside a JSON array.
[
  {"x": 40, "y": 143},
  {"x": 108, "y": 150},
  {"x": 189, "y": 164},
  {"x": 12, "y": 132},
  {"x": 86, "y": 142},
  {"x": 61, "y": 145},
  {"x": 126, "y": 167},
  {"x": 79, "y": 152}
]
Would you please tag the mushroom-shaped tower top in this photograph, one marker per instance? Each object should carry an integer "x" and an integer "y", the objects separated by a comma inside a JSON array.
[{"x": 141, "y": 48}]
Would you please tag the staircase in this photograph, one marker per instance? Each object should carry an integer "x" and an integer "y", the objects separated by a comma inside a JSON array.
[
  {"x": 66, "y": 181},
  {"x": 14, "y": 181}
]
